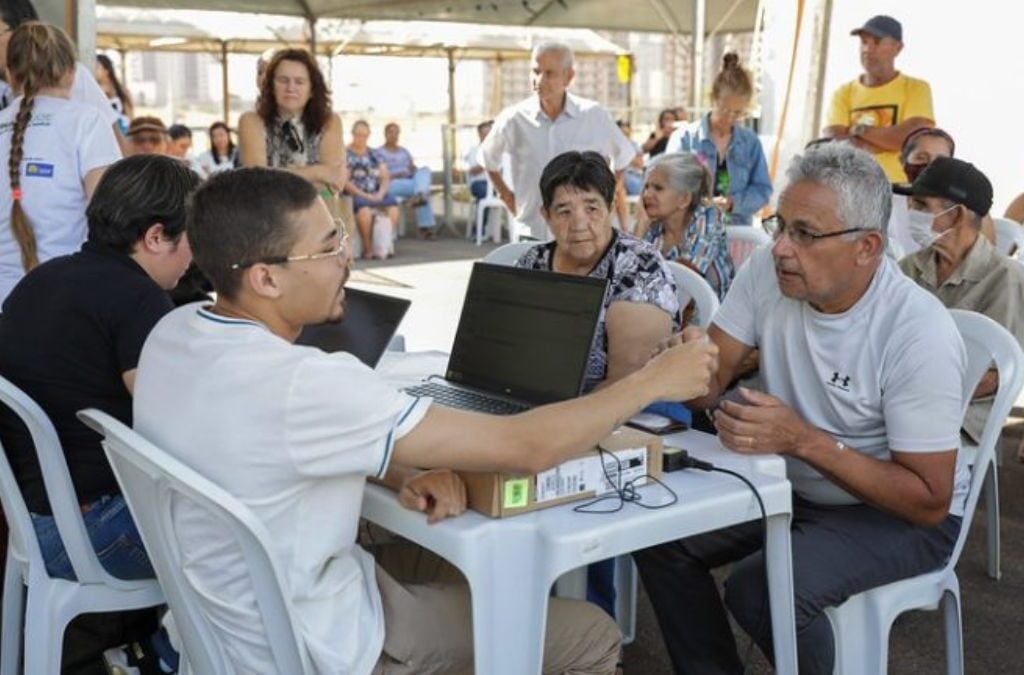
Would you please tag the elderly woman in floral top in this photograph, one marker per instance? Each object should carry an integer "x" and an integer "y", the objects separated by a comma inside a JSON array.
[
  {"x": 641, "y": 307},
  {"x": 681, "y": 225}
]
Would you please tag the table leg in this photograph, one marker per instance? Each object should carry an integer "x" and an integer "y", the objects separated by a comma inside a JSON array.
[
  {"x": 779, "y": 560},
  {"x": 510, "y": 603}
]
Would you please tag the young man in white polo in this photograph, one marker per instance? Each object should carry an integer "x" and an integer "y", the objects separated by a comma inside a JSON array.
[{"x": 294, "y": 433}]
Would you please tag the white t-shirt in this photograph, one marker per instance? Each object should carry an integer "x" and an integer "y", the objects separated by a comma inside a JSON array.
[
  {"x": 887, "y": 373},
  {"x": 209, "y": 165},
  {"x": 64, "y": 141},
  {"x": 532, "y": 140},
  {"x": 84, "y": 90},
  {"x": 472, "y": 159},
  {"x": 292, "y": 432}
]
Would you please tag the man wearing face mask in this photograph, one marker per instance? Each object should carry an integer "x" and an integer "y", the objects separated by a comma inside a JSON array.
[
  {"x": 918, "y": 151},
  {"x": 947, "y": 203}
]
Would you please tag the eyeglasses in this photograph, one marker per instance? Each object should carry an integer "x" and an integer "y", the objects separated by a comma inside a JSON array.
[
  {"x": 292, "y": 138},
  {"x": 338, "y": 253},
  {"x": 776, "y": 227}
]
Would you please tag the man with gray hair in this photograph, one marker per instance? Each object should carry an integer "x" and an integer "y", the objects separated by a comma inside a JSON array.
[
  {"x": 543, "y": 126},
  {"x": 862, "y": 373}
]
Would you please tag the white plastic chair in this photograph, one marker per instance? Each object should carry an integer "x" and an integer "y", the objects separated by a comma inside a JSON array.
[
  {"x": 52, "y": 603},
  {"x": 861, "y": 624},
  {"x": 153, "y": 482},
  {"x": 743, "y": 240},
  {"x": 509, "y": 253},
  {"x": 1009, "y": 236},
  {"x": 690, "y": 285}
]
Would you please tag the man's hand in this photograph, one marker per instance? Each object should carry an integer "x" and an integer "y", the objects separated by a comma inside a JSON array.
[
  {"x": 684, "y": 371},
  {"x": 439, "y": 493},
  {"x": 767, "y": 425}
]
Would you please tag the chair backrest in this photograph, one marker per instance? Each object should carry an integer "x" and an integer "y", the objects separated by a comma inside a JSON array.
[
  {"x": 509, "y": 253},
  {"x": 988, "y": 344},
  {"x": 742, "y": 240},
  {"x": 153, "y": 482},
  {"x": 690, "y": 285},
  {"x": 60, "y": 493},
  {"x": 1009, "y": 236}
]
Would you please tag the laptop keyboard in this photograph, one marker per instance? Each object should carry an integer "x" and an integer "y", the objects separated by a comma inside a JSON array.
[{"x": 465, "y": 399}]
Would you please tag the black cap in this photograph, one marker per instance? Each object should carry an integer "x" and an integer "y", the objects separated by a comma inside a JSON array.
[
  {"x": 955, "y": 180},
  {"x": 881, "y": 26}
]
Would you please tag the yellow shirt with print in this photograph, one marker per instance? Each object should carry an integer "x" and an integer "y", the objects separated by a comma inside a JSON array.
[{"x": 888, "y": 105}]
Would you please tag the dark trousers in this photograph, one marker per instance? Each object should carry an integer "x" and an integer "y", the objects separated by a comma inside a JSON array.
[{"x": 838, "y": 551}]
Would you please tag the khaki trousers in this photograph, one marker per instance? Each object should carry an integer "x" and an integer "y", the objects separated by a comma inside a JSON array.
[{"x": 428, "y": 621}]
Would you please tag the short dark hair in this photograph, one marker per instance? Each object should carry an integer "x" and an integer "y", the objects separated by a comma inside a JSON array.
[
  {"x": 134, "y": 194},
  {"x": 243, "y": 216},
  {"x": 582, "y": 170},
  {"x": 16, "y": 12},
  {"x": 487, "y": 124},
  {"x": 176, "y": 131}
]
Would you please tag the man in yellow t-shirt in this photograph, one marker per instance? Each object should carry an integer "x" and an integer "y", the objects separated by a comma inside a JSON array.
[{"x": 879, "y": 109}]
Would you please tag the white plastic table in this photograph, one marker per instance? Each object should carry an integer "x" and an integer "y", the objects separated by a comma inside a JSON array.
[{"x": 511, "y": 563}]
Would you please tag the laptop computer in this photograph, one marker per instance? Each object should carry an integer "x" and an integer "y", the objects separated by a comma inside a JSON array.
[
  {"x": 523, "y": 340},
  {"x": 365, "y": 331}
]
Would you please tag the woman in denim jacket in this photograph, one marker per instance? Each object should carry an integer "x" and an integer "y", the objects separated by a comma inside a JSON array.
[{"x": 731, "y": 153}]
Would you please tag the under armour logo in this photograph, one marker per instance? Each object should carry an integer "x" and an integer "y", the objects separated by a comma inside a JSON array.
[{"x": 842, "y": 382}]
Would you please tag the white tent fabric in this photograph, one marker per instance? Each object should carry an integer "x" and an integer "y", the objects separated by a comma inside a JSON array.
[
  {"x": 205, "y": 31},
  {"x": 632, "y": 15}
]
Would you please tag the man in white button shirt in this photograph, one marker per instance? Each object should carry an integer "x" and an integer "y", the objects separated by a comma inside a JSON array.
[
  {"x": 540, "y": 128},
  {"x": 294, "y": 433},
  {"x": 862, "y": 372}
]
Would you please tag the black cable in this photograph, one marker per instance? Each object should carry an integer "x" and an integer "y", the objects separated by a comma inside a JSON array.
[
  {"x": 625, "y": 493},
  {"x": 692, "y": 463}
]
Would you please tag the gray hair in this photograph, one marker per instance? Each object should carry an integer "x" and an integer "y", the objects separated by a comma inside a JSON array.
[
  {"x": 549, "y": 47},
  {"x": 683, "y": 173},
  {"x": 863, "y": 192}
]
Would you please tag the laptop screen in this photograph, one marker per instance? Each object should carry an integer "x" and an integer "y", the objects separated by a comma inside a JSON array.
[
  {"x": 526, "y": 333},
  {"x": 369, "y": 323}
]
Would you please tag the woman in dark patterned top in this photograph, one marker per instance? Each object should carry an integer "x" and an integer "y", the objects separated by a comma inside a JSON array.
[
  {"x": 641, "y": 307},
  {"x": 293, "y": 127}
]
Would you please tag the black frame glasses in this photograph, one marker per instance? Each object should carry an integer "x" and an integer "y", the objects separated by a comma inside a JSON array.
[{"x": 775, "y": 226}]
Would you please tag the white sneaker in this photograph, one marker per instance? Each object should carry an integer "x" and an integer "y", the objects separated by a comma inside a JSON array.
[{"x": 116, "y": 661}]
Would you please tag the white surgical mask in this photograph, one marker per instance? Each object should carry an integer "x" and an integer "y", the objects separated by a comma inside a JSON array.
[{"x": 920, "y": 225}]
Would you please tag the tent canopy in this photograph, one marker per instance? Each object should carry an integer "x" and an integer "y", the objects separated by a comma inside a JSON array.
[
  {"x": 194, "y": 31},
  {"x": 670, "y": 16}
]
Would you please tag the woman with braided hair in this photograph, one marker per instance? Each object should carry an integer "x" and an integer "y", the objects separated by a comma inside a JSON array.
[{"x": 55, "y": 151}]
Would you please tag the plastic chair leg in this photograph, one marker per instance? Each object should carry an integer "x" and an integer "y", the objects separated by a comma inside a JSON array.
[
  {"x": 13, "y": 612},
  {"x": 991, "y": 489},
  {"x": 44, "y": 635},
  {"x": 954, "y": 633}
]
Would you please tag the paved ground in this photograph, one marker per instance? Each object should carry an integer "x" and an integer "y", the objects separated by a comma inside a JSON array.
[{"x": 434, "y": 274}]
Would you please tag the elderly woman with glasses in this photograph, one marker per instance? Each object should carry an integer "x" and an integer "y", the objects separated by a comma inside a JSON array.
[
  {"x": 732, "y": 153},
  {"x": 293, "y": 127}
]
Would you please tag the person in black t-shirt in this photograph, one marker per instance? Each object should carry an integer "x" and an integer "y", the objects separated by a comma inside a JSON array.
[{"x": 70, "y": 336}]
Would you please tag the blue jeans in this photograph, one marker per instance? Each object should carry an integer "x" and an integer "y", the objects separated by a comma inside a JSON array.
[
  {"x": 478, "y": 189},
  {"x": 418, "y": 184},
  {"x": 113, "y": 535},
  {"x": 634, "y": 183}
]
